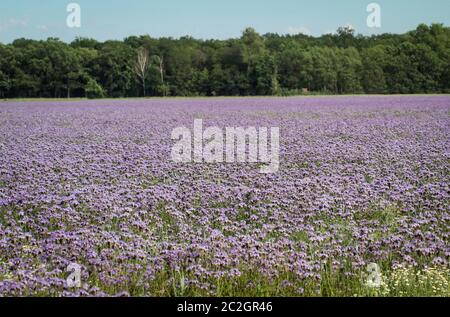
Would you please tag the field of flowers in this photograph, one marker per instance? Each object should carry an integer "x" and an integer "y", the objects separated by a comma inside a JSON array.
[{"x": 362, "y": 180}]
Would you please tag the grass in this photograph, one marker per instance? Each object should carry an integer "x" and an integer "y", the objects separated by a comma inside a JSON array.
[
  {"x": 311, "y": 95},
  {"x": 41, "y": 99},
  {"x": 399, "y": 282},
  {"x": 249, "y": 280}
]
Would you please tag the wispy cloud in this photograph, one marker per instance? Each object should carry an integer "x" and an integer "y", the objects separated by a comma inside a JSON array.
[
  {"x": 42, "y": 27},
  {"x": 299, "y": 30},
  {"x": 13, "y": 23}
]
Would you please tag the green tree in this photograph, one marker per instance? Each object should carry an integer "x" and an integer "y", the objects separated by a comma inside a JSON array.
[
  {"x": 349, "y": 67},
  {"x": 94, "y": 90},
  {"x": 254, "y": 64},
  {"x": 325, "y": 73},
  {"x": 373, "y": 76},
  {"x": 113, "y": 69}
]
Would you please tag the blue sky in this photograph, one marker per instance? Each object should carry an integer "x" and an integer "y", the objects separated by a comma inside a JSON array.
[{"x": 116, "y": 19}]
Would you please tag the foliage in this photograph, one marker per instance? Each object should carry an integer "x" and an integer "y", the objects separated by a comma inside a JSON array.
[
  {"x": 270, "y": 64},
  {"x": 94, "y": 90}
]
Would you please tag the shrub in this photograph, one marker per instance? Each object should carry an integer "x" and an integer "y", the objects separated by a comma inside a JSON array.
[{"x": 94, "y": 90}]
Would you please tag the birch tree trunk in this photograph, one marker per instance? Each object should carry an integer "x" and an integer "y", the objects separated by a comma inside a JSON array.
[{"x": 141, "y": 66}]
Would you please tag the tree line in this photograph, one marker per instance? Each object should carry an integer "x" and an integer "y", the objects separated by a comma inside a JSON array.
[{"x": 254, "y": 64}]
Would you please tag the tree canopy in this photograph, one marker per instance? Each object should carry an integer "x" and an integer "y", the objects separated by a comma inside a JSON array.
[{"x": 254, "y": 64}]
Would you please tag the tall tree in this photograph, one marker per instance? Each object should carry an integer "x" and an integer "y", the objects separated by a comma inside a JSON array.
[
  {"x": 141, "y": 66},
  {"x": 254, "y": 64},
  {"x": 159, "y": 62}
]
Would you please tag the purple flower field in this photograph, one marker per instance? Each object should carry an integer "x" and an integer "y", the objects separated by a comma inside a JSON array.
[{"x": 362, "y": 180}]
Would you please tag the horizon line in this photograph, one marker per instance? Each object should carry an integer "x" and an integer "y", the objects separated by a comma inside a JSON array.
[{"x": 188, "y": 36}]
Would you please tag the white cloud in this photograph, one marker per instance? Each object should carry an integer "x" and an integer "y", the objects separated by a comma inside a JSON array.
[
  {"x": 299, "y": 30},
  {"x": 13, "y": 23},
  {"x": 42, "y": 27},
  {"x": 350, "y": 26},
  {"x": 17, "y": 22}
]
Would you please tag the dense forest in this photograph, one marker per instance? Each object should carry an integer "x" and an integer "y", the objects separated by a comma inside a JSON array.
[{"x": 254, "y": 64}]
